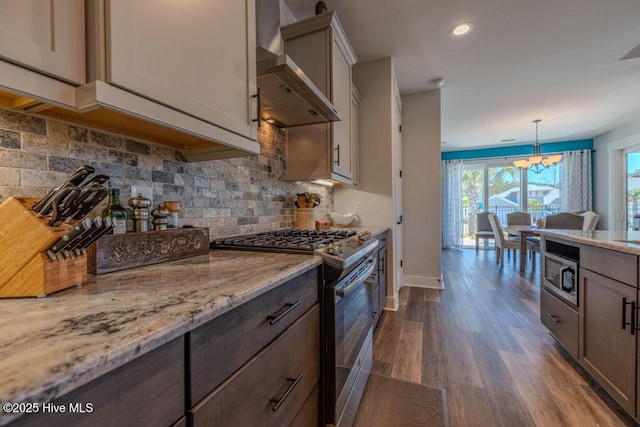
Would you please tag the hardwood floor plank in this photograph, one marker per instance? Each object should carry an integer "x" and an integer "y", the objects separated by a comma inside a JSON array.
[
  {"x": 480, "y": 338},
  {"x": 408, "y": 363}
]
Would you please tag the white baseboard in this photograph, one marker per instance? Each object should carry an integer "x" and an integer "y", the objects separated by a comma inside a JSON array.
[
  {"x": 392, "y": 303},
  {"x": 423, "y": 282}
]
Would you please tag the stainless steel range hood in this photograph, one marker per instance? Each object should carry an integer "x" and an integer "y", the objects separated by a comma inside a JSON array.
[{"x": 287, "y": 96}]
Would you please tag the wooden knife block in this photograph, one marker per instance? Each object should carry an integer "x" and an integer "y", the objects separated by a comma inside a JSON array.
[{"x": 25, "y": 268}]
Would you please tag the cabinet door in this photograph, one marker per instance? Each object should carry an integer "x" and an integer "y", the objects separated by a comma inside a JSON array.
[
  {"x": 341, "y": 98},
  {"x": 197, "y": 57},
  {"x": 607, "y": 351},
  {"x": 45, "y": 35}
]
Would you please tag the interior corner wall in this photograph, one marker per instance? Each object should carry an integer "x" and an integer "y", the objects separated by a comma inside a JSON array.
[{"x": 421, "y": 181}]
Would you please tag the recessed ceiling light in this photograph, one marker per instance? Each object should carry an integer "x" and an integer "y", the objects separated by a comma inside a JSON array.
[{"x": 461, "y": 29}]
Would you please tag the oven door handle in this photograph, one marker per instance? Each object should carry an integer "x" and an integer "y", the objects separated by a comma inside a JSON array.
[{"x": 358, "y": 280}]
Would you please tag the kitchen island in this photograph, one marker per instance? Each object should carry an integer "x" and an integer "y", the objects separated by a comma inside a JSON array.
[
  {"x": 51, "y": 346},
  {"x": 589, "y": 301}
]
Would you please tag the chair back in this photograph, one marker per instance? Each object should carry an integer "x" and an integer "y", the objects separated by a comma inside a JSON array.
[
  {"x": 482, "y": 221},
  {"x": 497, "y": 229},
  {"x": 519, "y": 218},
  {"x": 564, "y": 221},
  {"x": 590, "y": 220}
]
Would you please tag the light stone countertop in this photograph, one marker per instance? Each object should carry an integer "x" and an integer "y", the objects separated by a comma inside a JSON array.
[
  {"x": 50, "y": 346},
  {"x": 599, "y": 238}
]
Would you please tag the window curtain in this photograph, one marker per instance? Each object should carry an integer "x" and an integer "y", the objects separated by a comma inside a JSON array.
[
  {"x": 575, "y": 186},
  {"x": 451, "y": 203}
]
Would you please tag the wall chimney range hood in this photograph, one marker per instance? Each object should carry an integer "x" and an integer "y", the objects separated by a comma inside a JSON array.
[{"x": 288, "y": 97}]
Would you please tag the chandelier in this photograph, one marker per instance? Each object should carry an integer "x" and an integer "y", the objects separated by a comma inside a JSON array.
[{"x": 537, "y": 163}]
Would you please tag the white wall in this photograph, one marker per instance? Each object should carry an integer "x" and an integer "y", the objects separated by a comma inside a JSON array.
[
  {"x": 375, "y": 83},
  {"x": 602, "y": 173},
  {"x": 421, "y": 189}
]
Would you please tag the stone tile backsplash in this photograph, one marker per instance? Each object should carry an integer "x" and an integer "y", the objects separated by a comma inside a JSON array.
[{"x": 233, "y": 196}]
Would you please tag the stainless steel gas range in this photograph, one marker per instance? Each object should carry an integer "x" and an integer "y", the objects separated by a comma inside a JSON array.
[{"x": 347, "y": 310}]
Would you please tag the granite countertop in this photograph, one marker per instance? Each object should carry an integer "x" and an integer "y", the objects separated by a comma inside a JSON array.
[
  {"x": 600, "y": 238},
  {"x": 50, "y": 346}
]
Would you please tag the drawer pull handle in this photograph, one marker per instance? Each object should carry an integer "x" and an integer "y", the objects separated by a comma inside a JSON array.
[
  {"x": 554, "y": 318},
  {"x": 633, "y": 315},
  {"x": 288, "y": 308},
  {"x": 375, "y": 314},
  {"x": 287, "y": 392}
]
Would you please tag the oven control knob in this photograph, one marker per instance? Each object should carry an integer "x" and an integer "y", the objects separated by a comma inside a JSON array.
[
  {"x": 335, "y": 248},
  {"x": 364, "y": 236}
]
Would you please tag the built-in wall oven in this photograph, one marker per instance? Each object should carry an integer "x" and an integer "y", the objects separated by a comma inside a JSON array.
[{"x": 560, "y": 270}]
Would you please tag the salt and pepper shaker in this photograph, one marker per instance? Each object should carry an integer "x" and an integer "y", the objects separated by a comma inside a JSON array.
[
  {"x": 140, "y": 205},
  {"x": 160, "y": 220}
]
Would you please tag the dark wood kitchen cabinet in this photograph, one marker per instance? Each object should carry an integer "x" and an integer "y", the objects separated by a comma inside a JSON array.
[
  {"x": 149, "y": 390},
  {"x": 607, "y": 338},
  {"x": 561, "y": 320},
  {"x": 264, "y": 351},
  {"x": 272, "y": 388}
]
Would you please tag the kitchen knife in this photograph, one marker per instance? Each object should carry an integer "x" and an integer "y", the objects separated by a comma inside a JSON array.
[
  {"x": 89, "y": 198},
  {"x": 66, "y": 251},
  {"x": 107, "y": 227},
  {"x": 74, "y": 179},
  {"x": 77, "y": 230},
  {"x": 62, "y": 204},
  {"x": 98, "y": 223}
]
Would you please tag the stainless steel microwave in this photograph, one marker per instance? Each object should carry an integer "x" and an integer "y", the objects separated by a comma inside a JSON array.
[{"x": 561, "y": 277}]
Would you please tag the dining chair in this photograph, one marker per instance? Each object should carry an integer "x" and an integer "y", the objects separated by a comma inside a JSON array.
[
  {"x": 518, "y": 218},
  {"x": 502, "y": 242},
  {"x": 564, "y": 221},
  {"x": 590, "y": 220},
  {"x": 483, "y": 228}
]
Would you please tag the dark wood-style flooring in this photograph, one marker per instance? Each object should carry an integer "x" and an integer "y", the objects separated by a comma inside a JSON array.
[{"x": 482, "y": 341}]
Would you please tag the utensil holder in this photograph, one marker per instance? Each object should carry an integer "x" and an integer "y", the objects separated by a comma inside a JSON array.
[
  {"x": 26, "y": 270},
  {"x": 305, "y": 219}
]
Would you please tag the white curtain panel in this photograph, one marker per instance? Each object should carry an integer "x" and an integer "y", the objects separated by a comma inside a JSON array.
[
  {"x": 575, "y": 186},
  {"x": 451, "y": 203}
]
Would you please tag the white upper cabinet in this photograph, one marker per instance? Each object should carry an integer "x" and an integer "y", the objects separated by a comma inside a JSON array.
[
  {"x": 46, "y": 36},
  {"x": 196, "y": 56},
  {"x": 318, "y": 45}
]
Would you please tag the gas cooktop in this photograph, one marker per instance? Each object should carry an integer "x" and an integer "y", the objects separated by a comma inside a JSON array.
[{"x": 287, "y": 240}]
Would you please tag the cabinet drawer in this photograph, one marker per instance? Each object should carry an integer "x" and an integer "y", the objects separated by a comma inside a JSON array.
[
  {"x": 146, "y": 391},
  {"x": 220, "y": 347},
  {"x": 616, "y": 265},
  {"x": 288, "y": 370},
  {"x": 561, "y": 321}
]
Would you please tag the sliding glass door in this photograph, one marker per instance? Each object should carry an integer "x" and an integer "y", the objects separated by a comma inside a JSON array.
[
  {"x": 632, "y": 183},
  {"x": 499, "y": 187}
]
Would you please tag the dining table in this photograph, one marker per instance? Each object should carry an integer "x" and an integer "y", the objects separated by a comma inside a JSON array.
[{"x": 522, "y": 231}]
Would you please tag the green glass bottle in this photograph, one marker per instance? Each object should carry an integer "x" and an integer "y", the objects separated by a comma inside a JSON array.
[{"x": 116, "y": 212}]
